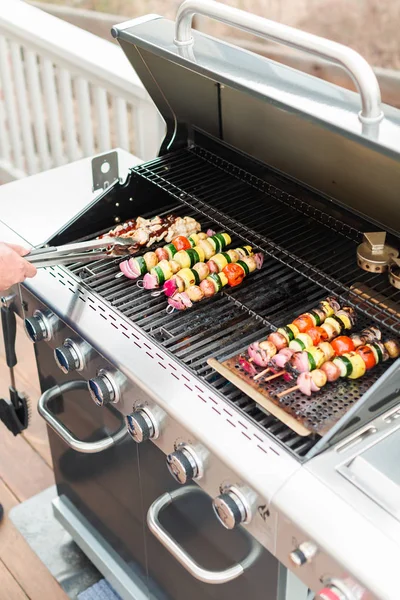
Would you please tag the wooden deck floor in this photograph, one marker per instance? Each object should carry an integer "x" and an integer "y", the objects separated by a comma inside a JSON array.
[{"x": 25, "y": 470}]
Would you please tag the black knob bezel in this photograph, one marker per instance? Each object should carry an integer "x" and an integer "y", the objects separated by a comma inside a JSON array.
[
  {"x": 146, "y": 429},
  {"x": 99, "y": 391},
  {"x": 65, "y": 359},
  {"x": 187, "y": 466},
  {"x": 35, "y": 329},
  {"x": 233, "y": 506}
]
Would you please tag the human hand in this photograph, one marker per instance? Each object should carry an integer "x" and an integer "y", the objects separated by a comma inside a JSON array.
[{"x": 13, "y": 268}]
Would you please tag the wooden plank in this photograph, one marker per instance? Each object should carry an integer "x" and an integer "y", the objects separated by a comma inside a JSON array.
[
  {"x": 9, "y": 588},
  {"x": 21, "y": 465},
  {"x": 27, "y": 381},
  {"x": 22, "y": 562},
  {"x": 259, "y": 398}
]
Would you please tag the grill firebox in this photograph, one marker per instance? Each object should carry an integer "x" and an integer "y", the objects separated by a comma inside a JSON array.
[{"x": 310, "y": 252}]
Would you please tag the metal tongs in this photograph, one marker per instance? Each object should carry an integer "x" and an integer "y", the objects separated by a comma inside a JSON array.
[{"x": 80, "y": 252}]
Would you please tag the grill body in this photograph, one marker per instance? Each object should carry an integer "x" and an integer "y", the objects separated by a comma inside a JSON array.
[{"x": 281, "y": 162}]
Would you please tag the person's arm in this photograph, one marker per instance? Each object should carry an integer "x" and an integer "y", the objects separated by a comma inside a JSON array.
[{"x": 13, "y": 267}]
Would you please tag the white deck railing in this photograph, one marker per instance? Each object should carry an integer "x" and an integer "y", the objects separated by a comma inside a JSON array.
[{"x": 66, "y": 94}]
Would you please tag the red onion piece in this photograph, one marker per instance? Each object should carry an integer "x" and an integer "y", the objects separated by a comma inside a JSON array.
[
  {"x": 170, "y": 287},
  {"x": 259, "y": 356},
  {"x": 247, "y": 366},
  {"x": 127, "y": 270},
  {"x": 283, "y": 357},
  {"x": 288, "y": 376},
  {"x": 304, "y": 382},
  {"x": 150, "y": 282},
  {"x": 259, "y": 258},
  {"x": 299, "y": 362}
]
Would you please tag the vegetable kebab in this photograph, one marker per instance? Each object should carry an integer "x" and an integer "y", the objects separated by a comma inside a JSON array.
[
  {"x": 319, "y": 323},
  {"x": 351, "y": 365},
  {"x": 291, "y": 363},
  {"x": 186, "y": 259},
  {"x": 231, "y": 274},
  {"x": 135, "y": 267},
  {"x": 187, "y": 277}
]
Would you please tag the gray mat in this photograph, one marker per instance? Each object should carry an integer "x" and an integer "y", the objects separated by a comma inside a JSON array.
[
  {"x": 100, "y": 591},
  {"x": 55, "y": 547}
]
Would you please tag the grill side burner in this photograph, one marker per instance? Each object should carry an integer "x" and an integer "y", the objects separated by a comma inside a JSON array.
[{"x": 309, "y": 253}]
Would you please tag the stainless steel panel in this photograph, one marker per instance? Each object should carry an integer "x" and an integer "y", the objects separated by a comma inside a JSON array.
[
  {"x": 376, "y": 472},
  {"x": 192, "y": 102},
  {"x": 353, "y": 63},
  {"x": 358, "y": 176}
]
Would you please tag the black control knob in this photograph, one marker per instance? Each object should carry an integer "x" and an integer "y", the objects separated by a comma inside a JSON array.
[
  {"x": 184, "y": 465},
  {"x": 67, "y": 358},
  {"x": 141, "y": 426},
  {"x": 37, "y": 328},
  {"x": 103, "y": 390}
]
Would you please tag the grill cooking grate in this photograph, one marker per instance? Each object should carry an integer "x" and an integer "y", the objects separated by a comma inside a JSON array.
[
  {"x": 306, "y": 250},
  {"x": 310, "y": 241}
]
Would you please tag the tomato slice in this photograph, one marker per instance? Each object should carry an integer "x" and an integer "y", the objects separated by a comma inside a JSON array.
[
  {"x": 342, "y": 344},
  {"x": 317, "y": 334},
  {"x": 181, "y": 243},
  {"x": 303, "y": 323},
  {"x": 367, "y": 355},
  {"x": 235, "y": 274}
]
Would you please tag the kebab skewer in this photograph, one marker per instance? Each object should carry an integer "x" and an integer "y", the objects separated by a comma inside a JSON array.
[
  {"x": 187, "y": 277},
  {"x": 232, "y": 274},
  {"x": 350, "y": 365},
  {"x": 293, "y": 363},
  {"x": 261, "y": 352},
  {"x": 185, "y": 259},
  {"x": 135, "y": 267}
]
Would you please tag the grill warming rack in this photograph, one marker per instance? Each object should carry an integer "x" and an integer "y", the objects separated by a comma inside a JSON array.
[{"x": 306, "y": 250}]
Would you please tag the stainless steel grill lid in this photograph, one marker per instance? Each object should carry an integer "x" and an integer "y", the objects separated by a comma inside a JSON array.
[{"x": 307, "y": 128}]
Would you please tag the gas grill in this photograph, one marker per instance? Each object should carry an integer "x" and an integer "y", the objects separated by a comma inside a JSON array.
[{"x": 284, "y": 163}]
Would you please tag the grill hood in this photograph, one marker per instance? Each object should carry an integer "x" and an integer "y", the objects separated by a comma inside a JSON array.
[{"x": 302, "y": 126}]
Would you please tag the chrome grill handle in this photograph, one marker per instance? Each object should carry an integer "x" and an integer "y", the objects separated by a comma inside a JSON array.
[
  {"x": 198, "y": 572},
  {"x": 62, "y": 431},
  {"x": 356, "y": 66}
]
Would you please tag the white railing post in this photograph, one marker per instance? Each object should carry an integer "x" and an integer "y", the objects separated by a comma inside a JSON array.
[
  {"x": 102, "y": 119},
  {"x": 11, "y": 109},
  {"x": 66, "y": 94},
  {"x": 67, "y": 111},
  {"x": 35, "y": 97}
]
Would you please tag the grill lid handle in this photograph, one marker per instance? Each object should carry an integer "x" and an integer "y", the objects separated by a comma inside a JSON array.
[{"x": 356, "y": 66}]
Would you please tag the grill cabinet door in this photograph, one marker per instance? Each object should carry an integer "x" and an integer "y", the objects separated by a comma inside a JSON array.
[
  {"x": 103, "y": 487},
  {"x": 190, "y": 520}
]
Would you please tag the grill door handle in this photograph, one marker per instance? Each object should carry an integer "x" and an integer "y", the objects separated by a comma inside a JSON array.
[
  {"x": 212, "y": 577},
  {"x": 62, "y": 431},
  {"x": 357, "y": 67}
]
